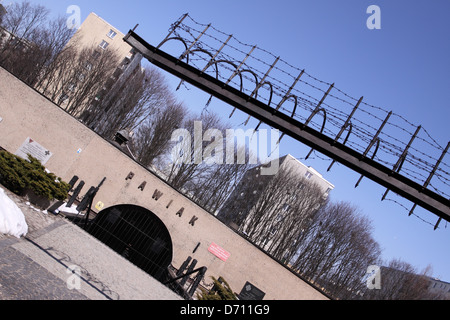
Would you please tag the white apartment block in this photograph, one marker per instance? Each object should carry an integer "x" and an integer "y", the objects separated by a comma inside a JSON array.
[
  {"x": 97, "y": 34},
  {"x": 308, "y": 172},
  {"x": 240, "y": 203},
  {"x": 266, "y": 215}
]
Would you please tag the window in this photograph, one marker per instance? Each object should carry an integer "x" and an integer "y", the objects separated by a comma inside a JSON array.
[
  {"x": 104, "y": 44},
  {"x": 279, "y": 218},
  {"x": 111, "y": 34},
  {"x": 96, "y": 55},
  {"x": 308, "y": 175},
  {"x": 88, "y": 66},
  {"x": 71, "y": 87},
  {"x": 272, "y": 231},
  {"x": 63, "y": 98}
]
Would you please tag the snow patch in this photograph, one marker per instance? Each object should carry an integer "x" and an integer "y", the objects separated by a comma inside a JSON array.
[{"x": 12, "y": 219}]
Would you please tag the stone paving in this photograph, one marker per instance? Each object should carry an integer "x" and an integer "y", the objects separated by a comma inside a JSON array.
[
  {"x": 38, "y": 266},
  {"x": 23, "y": 279}
]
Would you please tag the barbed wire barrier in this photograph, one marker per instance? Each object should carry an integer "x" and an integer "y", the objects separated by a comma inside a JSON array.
[{"x": 385, "y": 136}]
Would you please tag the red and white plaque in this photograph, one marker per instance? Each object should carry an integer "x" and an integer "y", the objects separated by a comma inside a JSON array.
[{"x": 219, "y": 252}]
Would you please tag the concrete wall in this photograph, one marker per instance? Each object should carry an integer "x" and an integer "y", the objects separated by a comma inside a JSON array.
[{"x": 26, "y": 113}]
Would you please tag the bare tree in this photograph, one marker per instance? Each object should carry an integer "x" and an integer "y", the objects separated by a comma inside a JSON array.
[
  {"x": 88, "y": 75},
  {"x": 53, "y": 42},
  {"x": 30, "y": 42},
  {"x": 241, "y": 201},
  {"x": 38, "y": 52},
  {"x": 92, "y": 84},
  {"x": 186, "y": 163},
  {"x": 75, "y": 78},
  {"x": 152, "y": 138},
  {"x": 401, "y": 281},
  {"x": 212, "y": 188},
  {"x": 200, "y": 166},
  {"x": 126, "y": 103},
  {"x": 23, "y": 19},
  {"x": 281, "y": 206},
  {"x": 337, "y": 250},
  {"x": 58, "y": 74}
]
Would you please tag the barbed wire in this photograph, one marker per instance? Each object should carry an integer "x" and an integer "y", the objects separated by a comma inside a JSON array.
[{"x": 202, "y": 43}]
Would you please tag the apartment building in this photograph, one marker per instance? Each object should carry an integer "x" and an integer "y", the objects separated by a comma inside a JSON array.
[
  {"x": 266, "y": 207},
  {"x": 99, "y": 36},
  {"x": 96, "y": 32}
]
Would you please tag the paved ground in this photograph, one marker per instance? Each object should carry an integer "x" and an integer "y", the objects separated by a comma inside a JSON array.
[
  {"x": 23, "y": 279},
  {"x": 57, "y": 260}
]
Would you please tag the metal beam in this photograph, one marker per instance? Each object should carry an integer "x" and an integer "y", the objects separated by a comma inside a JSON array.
[{"x": 371, "y": 169}]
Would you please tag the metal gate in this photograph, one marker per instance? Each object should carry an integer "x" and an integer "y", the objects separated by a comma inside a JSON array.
[{"x": 138, "y": 235}]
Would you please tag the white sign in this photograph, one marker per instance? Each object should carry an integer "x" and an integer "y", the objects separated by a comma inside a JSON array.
[{"x": 35, "y": 150}]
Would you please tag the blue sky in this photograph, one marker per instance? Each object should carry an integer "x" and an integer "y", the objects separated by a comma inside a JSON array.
[{"x": 402, "y": 67}]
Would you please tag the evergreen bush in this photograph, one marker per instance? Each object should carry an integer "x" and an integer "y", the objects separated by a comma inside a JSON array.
[
  {"x": 221, "y": 291},
  {"x": 19, "y": 175}
]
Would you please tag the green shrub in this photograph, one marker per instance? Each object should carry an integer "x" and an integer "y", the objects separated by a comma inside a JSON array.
[
  {"x": 18, "y": 175},
  {"x": 221, "y": 291}
]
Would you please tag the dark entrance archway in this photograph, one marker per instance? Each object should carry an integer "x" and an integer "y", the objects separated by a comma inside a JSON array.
[{"x": 138, "y": 235}]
